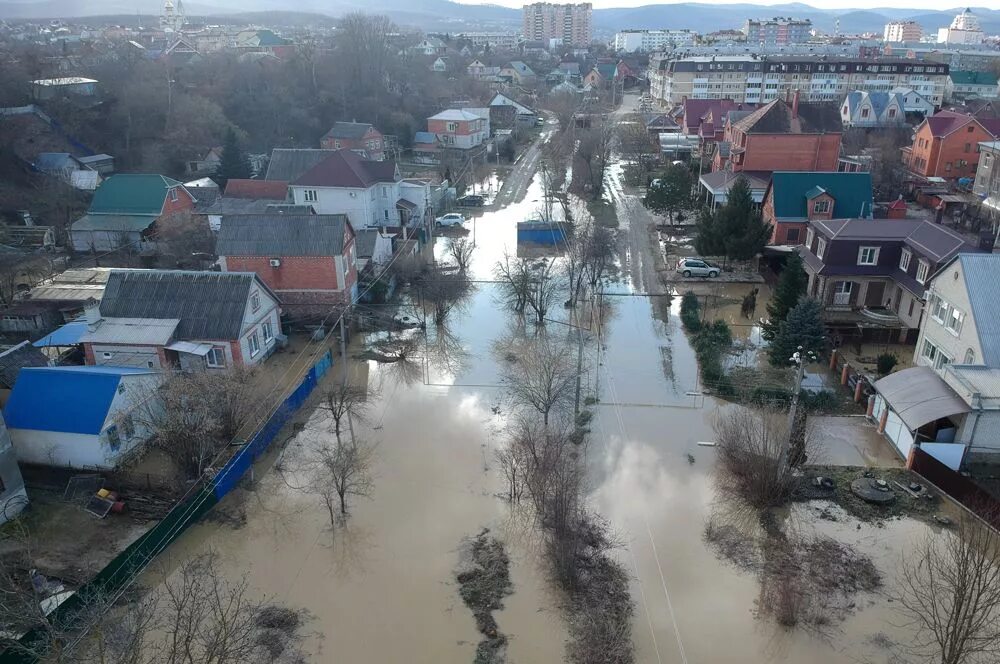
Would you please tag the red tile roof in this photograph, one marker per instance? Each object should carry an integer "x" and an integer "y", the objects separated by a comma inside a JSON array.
[
  {"x": 345, "y": 168},
  {"x": 695, "y": 110},
  {"x": 257, "y": 189}
]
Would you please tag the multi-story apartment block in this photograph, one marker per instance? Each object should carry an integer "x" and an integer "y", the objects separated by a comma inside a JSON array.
[
  {"x": 778, "y": 30},
  {"x": 968, "y": 57},
  {"x": 571, "y": 23},
  {"x": 964, "y": 29},
  {"x": 497, "y": 41},
  {"x": 647, "y": 41},
  {"x": 752, "y": 79},
  {"x": 902, "y": 31}
]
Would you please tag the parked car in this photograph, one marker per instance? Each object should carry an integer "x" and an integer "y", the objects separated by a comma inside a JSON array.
[
  {"x": 450, "y": 219},
  {"x": 472, "y": 200},
  {"x": 539, "y": 121},
  {"x": 697, "y": 267}
]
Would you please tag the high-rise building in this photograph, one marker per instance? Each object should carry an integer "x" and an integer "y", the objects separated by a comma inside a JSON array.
[
  {"x": 647, "y": 41},
  {"x": 172, "y": 18},
  {"x": 777, "y": 30},
  {"x": 544, "y": 21},
  {"x": 964, "y": 30},
  {"x": 902, "y": 31}
]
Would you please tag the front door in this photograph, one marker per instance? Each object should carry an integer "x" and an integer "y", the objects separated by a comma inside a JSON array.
[{"x": 875, "y": 294}]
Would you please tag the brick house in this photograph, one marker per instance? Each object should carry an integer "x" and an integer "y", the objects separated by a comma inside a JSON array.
[
  {"x": 163, "y": 319},
  {"x": 308, "y": 260},
  {"x": 125, "y": 209},
  {"x": 945, "y": 145},
  {"x": 783, "y": 136},
  {"x": 793, "y": 199},
  {"x": 870, "y": 275},
  {"x": 459, "y": 129},
  {"x": 358, "y": 136}
]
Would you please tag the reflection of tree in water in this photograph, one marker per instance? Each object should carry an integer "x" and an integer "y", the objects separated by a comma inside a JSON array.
[{"x": 446, "y": 353}]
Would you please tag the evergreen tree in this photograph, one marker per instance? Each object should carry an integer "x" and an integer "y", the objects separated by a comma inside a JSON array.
[
  {"x": 708, "y": 241},
  {"x": 791, "y": 287},
  {"x": 803, "y": 327},
  {"x": 234, "y": 163},
  {"x": 740, "y": 223},
  {"x": 671, "y": 193}
]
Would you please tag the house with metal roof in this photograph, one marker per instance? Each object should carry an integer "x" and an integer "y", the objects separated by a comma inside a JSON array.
[
  {"x": 361, "y": 137},
  {"x": 949, "y": 404},
  {"x": 165, "y": 319},
  {"x": 870, "y": 275},
  {"x": 862, "y": 108},
  {"x": 125, "y": 210},
  {"x": 308, "y": 260},
  {"x": 793, "y": 198},
  {"x": 79, "y": 417},
  {"x": 971, "y": 84}
]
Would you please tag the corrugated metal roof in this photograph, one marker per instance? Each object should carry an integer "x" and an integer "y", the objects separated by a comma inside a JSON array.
[
  {"x": 918, "y": 395},
  {"x": 132, "y": 193},
  {"x": 113, "y": 223},
  {"x": 67, "y": 335},
  {"x": 289, "y": 164},
  {"x": 137, "y": 331},
  {"x": 14, "y": 359},
  {"x": 980, "y": 273},
  {"x": 209, "y": 305},
  {"x": 280, "y": 235}
]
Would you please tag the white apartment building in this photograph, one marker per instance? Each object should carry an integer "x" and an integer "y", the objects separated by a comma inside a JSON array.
[
  {"x": 544, "y": 21},
  {"x": 964, "y": 29},
  {"x": 498, "y": 41},
  {"x": 648, "y": 41},
  {"x": 902, "y": 31},
  {"x": 752, "y": 79}
]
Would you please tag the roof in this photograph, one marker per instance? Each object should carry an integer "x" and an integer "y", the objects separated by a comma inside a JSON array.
[
  {"x": 48, "y": 162},
  {"x": 123, "y": 223},
  {"x": 455, "y": 115},
  {"x": 132, "y": 193},
  {"x": 503, "y": 100},
  {"x": 282, "y": 235},
  {"x": 209, "y": 305},
  {"x": 276, "y": 190},
  {"x": 348, "y": 130},
  {"x": 364, "y": 242},
  {"x": 67, "y": 335},
  {"x": 65, "y": 399},
  {"x": 878, "y": 100},
  {"x": 66, "y": 80},
  {"x": 980, "y": 274},
  {"x": 719, "y": 181},
  {"x": 919, "y": 395},
  {"x": 289, "y": 163},
  {"x": 943, "y": 123},
  {"x": 14, "y": 359},
  {"x": 973, "y": 78},
  {"x": 345, "y": 168},
  {"x": 521, "y": 68},
  {"x": 851, "y": 192},
  {"x": 696, "y": 109},
  {"x": 776, "y": 118},
  {"x": 425, "y": 137},
  {"x": 138, "y": 331}
]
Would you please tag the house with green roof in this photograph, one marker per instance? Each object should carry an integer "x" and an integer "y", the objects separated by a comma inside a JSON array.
[
  {"x": 794, "y": 198},
  {"x": 125, "y": 210},
  {"x": 962, "y": 85}
]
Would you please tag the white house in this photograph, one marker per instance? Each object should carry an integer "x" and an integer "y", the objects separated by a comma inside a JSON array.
[
  {"x": 368, "y": 192},
  {"x": 79, "y": 417},
  {"x": 914, "y": 102},
  {"x": 873, "y": 109}
]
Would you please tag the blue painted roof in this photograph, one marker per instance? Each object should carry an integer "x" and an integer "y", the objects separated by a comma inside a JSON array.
[
  {"x": 64, "y": 399},
  {"x": 980, "y": 272},
  {"x": 425, "y": 137},
  {"x": 67, "y": 335}
]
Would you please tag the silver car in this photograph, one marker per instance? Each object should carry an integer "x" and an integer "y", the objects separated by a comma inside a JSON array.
[{"x": 697, "y": 267}]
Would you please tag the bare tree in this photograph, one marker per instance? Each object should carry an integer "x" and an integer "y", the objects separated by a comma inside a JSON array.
[
  {"x": 514, "y": 275},
  {"x": 345, "y": 400},
  {"x": 543, "y": 290},
  {"x": 593, "y": 152},
  {"x": 20, "y": 272},
  {"x": 460, "y": 250},
  {"x": 950, "y": 593},
  {"x": 343, "y": 470},
  {"x": 540, "y": 375},
  {"x": 444, "y": 290}
]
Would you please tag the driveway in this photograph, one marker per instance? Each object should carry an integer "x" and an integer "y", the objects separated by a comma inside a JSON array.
[{"x": 852, "y": 441}]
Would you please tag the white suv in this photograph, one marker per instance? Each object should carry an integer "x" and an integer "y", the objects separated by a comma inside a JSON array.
[
  {"x": 697, "y": 267},
  {"x": 450, "y": 219}
]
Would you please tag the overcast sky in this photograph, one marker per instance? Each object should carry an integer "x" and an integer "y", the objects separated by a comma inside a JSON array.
[{"x": 916, "y": 5}]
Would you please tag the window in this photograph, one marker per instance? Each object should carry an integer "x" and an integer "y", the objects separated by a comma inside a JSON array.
[
  {"x": 947, "y": 166},
  {"x": 386, "y": 213},
  {"x": 904, "y": 260},
  {"x": 255, "y": 300},
  {"x": 114, "y": 440},
  {"x": 821, "y": 248},
  {"x": 954, "y": 321},
  {"x": 970, "y": 357},
  {"x": 128, "y": 427},
  {"x": 792, "y": 235},
  {"x": 821, "y": 207},
  {"x": 930, "y": 351},
  {"x": 923, "y": 268},
  {"x": 939, "y": 309},
  {"x": 864, "y": 112},
  {"x": 336, "y": 144},
  {"x": 265, "y": 329},
  {"x": 809, "y": 238},
  {"x": 892, "y": 113},
  {"x": 385, "y": 192},
  {"x": 913, "y": 302},
  {"x": 970, "y": 129},
  {"x": 309, "y": 195},
  {"x": 452, "y": 126},
  {"x": 968, "y": 147},
  {"x": 868, "y": 256},
  {"x": 173, "y": 195},
  {"x": 216, "y": 357},
  {"x": 254, "y": 342}
]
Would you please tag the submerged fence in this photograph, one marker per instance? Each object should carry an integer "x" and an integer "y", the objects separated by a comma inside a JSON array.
[{"x": 134, "y": 559}]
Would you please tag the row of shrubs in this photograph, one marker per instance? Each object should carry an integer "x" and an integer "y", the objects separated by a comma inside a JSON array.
[{"x": 711, "y": 342}]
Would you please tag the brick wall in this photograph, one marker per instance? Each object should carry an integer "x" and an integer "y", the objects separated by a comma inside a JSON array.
[
  {"x": 300, "y": 272},
  {"x": 441, "y": 127},
  {"x": 183, "y": 202},
  {"x": 794, "y": 152}
]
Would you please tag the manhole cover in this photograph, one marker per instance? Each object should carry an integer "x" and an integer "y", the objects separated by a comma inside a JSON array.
[{"x": 872, "y": 490}]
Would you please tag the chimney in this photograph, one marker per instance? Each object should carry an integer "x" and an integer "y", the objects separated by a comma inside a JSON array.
[
  {"x": 795, "y": 104},
  {"x": 92, "y": 314}
]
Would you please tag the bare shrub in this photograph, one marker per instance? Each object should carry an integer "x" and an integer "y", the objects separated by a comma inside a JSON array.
[
  {"x": 345, "y": 400},
  {"x": 460, "y": 250},
  {"x": 539, "y": 374}
]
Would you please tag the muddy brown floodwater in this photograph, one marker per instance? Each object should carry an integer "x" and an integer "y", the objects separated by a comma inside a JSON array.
[{"x": 382, "y": 589}]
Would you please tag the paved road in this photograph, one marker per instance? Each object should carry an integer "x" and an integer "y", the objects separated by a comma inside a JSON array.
[{"x": 516, "y": 185}]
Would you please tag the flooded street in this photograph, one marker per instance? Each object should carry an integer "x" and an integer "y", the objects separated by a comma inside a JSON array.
[{"x": 383, "y": 590}]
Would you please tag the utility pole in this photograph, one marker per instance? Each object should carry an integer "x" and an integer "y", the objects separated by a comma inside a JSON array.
[
  {"x": 579, "y": 357},
  {"x": 799, "y": 358}
]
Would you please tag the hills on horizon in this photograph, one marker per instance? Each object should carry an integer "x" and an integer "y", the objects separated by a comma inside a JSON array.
[{"x": 446, "y": 15}]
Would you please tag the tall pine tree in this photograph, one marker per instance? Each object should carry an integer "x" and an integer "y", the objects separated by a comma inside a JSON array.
[
  {"x": 803, "y": 327},
  {"x": 791, "y": 287},
  {"x": 234, "y": 163},
  {"x": 672, "y": 193},
  {"x": 736, "y": 230}
]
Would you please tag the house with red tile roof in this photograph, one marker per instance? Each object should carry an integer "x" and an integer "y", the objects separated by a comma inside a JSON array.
[
  {"x": 275, "y": 190},
  {"x": 945, "y": 145}
]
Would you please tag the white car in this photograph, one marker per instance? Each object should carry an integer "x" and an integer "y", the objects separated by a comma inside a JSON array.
[{"x": 450, "y": 219}]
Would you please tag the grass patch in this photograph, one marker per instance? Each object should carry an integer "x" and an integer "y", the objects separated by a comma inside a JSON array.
[
  {"x": 925, "y": 507},
  {"x": 604, "y": 212}
]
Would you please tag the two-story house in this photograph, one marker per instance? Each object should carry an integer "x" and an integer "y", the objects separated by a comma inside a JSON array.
[
  {"x": 794, "y": 198},
  {"x": 342, "y": 182},
  {"x": 125, "y": 209},
  {"x": 914, "y": 102},
  {"x": 459, "y": 129},
  {"x": 945, "y": 145},
  {"x": 871, "y": 274},
  {"x": 162, "y": 319},
  {"x": 949, "y": 404},
  {"x": 987, "y": 184},
  {"x": 518, "y": 73},
  {"x": 862, "y": 108},
  {"x": 308, "y": 260},
  {"x": 358, "y": 136},
  {"x": 783, "y": 136}
]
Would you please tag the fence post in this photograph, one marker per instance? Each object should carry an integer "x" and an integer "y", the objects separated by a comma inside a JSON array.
[
  {"x": 884, "y": 419},
  {"x": 857, "y": 390},
  {"x": 844, "y": 373},
  {"x": 833, "y": 360}
]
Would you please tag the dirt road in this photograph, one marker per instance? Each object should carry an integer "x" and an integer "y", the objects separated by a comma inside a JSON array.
[{"x": 516, "y": 184}]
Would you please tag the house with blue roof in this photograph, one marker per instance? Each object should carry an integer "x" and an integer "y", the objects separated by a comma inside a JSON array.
[
  {"x": 794, "y": 198},
  {"x": 13, "y": 496},
  {"x": 79, "y": 417},
  {"x": 873, "y": 109}
]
